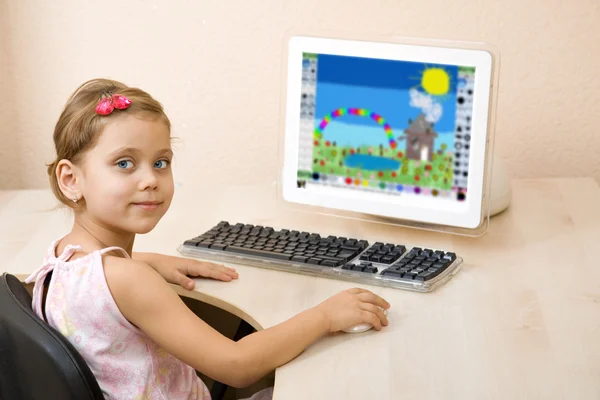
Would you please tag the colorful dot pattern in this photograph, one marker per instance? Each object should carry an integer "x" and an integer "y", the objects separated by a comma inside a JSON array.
[
  {"x": 360, "y": 112},
  {"x": 358, "y": 182}
]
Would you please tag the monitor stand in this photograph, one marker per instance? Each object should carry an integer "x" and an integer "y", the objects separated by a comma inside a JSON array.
[{"x": 501, "y": 191}]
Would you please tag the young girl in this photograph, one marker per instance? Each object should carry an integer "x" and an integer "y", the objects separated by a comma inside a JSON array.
[{"x": 113, "y": 168}]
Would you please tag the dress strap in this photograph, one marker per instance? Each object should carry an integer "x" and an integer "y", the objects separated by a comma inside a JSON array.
[
  {"x": 114, "y": 248},
  {"x": 39, "y": 275}
]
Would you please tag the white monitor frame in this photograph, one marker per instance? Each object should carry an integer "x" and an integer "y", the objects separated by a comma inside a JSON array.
[{"x": 422, "y": 210}]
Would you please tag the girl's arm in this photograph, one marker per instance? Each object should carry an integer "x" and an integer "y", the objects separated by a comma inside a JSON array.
[
  {"x": 177, "y": 270},
  {"x": 266, "y": 350},
  {"x": 150, "y": 304}
]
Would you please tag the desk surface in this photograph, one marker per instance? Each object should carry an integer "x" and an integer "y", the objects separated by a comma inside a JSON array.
[{"x": 521, "y": 320}]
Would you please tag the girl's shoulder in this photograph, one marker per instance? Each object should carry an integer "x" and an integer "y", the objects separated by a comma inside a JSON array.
[
  {"x": 135, "y": 287},
  {"x": 118, "y": 269}
]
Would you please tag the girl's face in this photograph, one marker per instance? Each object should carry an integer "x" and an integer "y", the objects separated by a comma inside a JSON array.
[{"x": 126, "y": 181}]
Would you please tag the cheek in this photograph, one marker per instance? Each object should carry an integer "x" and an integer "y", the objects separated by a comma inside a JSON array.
[
  {"x": 167, "y": 189},
  {"x": 107, "y": 186}
]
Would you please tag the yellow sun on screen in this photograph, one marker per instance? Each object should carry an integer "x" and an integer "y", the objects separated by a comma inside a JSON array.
[{"x": 435, "y": 81}]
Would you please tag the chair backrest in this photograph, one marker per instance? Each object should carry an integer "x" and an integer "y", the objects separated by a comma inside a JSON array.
[{"x": 36, "y": 361}]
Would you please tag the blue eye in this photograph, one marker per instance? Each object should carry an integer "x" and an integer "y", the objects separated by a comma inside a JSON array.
[
  {"x": 124, "y": 164},
  {"x": 161, "y": 164}
]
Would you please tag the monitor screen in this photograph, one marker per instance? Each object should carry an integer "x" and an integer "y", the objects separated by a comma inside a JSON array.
[{"x": 384, "y": 130}]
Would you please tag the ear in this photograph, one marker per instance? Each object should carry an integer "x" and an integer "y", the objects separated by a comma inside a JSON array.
[{"x": 68, "y": 179}]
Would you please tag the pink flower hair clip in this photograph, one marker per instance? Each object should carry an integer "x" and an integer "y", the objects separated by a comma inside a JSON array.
[{"x": 107, "y": 104}]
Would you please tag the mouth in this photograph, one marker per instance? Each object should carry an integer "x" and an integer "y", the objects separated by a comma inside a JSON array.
[{"x": 148, "y": 205}]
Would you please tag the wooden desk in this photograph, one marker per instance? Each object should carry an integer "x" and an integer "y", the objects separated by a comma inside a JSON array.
[{"x": 521, "y": 320}]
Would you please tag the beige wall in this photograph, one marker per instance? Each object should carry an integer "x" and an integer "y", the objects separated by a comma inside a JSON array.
[{"x": 216, "y": 65}]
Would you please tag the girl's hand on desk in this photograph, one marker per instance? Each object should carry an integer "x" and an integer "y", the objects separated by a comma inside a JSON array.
[
  {"x": 352, "y": 307},
  {"x": 178, "y": 270}
]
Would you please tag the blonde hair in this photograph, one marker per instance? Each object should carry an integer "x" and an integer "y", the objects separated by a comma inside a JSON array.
[{"x": 79, "y": 127}]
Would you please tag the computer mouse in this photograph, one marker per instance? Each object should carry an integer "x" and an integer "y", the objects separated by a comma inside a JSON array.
[{"x": 361, "y": 327}]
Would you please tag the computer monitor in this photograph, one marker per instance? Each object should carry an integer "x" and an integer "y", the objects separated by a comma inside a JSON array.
[{"x": 387, "y": 129}]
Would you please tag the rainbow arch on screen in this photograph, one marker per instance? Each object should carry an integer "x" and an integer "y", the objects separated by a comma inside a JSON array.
[{"x": 360, "y": 112}]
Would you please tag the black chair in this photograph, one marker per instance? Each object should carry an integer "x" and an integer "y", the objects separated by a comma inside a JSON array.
[{"x": 36, "y": 361}]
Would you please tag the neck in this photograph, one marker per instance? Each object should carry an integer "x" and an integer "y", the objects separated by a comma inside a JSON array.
[{"x": 95, "y": 234}]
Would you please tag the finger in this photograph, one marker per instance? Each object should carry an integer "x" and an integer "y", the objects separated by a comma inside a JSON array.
[
  {"x": 372, "y": 319},
  {"x": 219, "y": 274},
  {"x": 207, "y": 270},
  {"x": 196, "y": 266},
  {"x": 219, "y": 266},
  {"x": 356, "y": 290},
  {"x": 229, "y": 271},
  {"x": 184, "y": 281},
  {"x": 377, "y": 311},
  {"x": 370, "y": 297}
]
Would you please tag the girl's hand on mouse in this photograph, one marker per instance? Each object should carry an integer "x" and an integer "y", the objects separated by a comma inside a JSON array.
[
  {"x": 178, "y": 270},
  {"x": 352, "y": 307}
]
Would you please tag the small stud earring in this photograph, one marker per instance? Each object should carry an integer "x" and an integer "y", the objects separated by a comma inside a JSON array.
[{"x": 75, "y": 199}]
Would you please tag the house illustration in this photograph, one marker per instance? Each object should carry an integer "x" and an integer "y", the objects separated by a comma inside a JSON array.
[{"x": 419, "y": 138}]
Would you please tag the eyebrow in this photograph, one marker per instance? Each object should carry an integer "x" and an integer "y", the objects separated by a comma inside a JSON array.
[{"x": 122, "y": 150}]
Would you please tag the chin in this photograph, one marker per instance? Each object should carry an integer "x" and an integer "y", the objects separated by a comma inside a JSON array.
[
  {"x": 141, "y": 227},
  {"x": 144, "y": 228}
]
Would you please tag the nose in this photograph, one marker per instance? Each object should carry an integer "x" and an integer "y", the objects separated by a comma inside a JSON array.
[{"x": 149, "y": 180}]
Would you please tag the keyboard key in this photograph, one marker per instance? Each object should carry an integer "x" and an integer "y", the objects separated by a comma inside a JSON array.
[
  {"x": 438, "y": 254},
  {"x": 333, "y": 257},
  {"x": 410, "y": 275},
  {"x": 329, "y": 263},
  {"x": 191, "y": 243},
  {"x": 400, "y": 249},
  {"x": 314, "y": 260},
  {"x": 257, "y": 253},
  {"x": 442, "y": 264},
  {"x": 391, "y": 274},
  {"x": 354, "y": 249},
  {"x": 218, "y": 246},
  {"x": 434, "y": 272},
  {"x": 346, "y": 255},
  {"x": 424, "y": 276},
  {"x": 450, "y": 256},
  {"x": 337, "y": 261}
]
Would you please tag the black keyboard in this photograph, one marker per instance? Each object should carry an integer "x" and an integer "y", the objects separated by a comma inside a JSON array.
[{"x": 351, "y": 259}]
